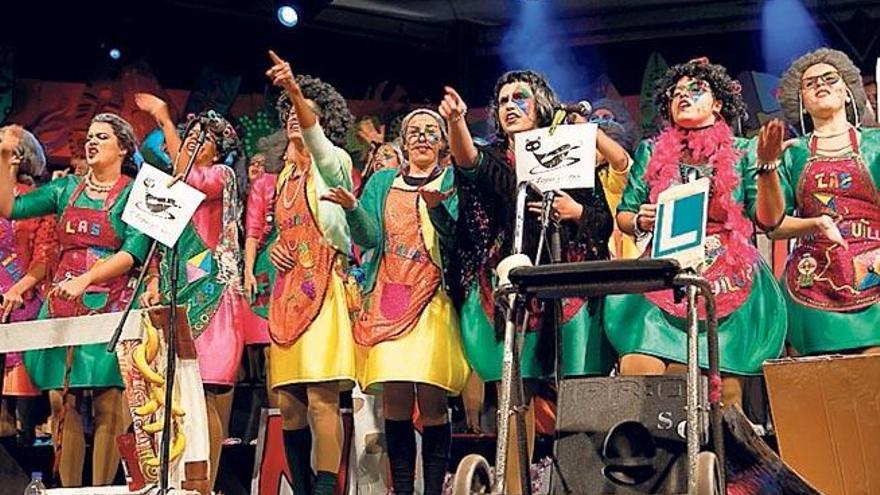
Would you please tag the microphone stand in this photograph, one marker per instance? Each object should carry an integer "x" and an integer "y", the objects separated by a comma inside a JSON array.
[{"x": 171, "y": 341}]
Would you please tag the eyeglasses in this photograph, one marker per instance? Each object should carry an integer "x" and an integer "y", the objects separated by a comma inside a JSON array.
[
  {"x": 693, "y": 89},
  {"x": 602, "y": 119},
  {"x": 431, "y": 134},
  {"x": 812, "y": 83}
]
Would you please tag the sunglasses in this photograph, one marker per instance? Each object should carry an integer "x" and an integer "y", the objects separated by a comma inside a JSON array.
[
  {"x": 812, "y": 83},
  {"x": 692, "y": 89}
]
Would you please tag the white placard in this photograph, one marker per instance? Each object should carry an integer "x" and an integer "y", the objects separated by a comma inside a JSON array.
[
  {"x": 565, "y": 159},
  {"x": 680, "y": 227},
  {"x": 156, "y": 210}
]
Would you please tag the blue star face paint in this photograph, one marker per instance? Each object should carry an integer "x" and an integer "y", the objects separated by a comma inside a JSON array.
[{"x": 516, "y": 107}]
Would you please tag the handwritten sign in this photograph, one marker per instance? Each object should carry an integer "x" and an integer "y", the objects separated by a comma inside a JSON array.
[
  {"x": 565, "y": 159},
  {"x": 680, "y": 229},
  {"x": 156, "y": 210}
]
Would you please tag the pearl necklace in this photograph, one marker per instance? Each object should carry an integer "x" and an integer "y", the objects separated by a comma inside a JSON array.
[{"x": 95, "y": 187}]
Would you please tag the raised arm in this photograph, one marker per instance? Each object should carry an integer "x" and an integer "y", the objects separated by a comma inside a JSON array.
[
  {"x": 158, "y": 109},
  {"x": 769, "y": 202},
  {"x": 617, "y": 157},
  {"x": 461, "y": 143},
  {"x": 332, "y": 162}
]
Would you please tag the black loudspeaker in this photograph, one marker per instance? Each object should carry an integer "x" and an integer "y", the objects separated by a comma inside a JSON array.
[{"x": 621, "y": 435}]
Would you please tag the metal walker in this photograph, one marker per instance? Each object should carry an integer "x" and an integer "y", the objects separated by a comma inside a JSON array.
[{"x": 518, "y": 280}]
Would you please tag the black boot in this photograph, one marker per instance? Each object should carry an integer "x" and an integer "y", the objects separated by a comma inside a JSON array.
[
  {"x": 325, "y": 483},
  {"x": 298, "y": 449},
  {"x": 401, "y": 439},
  {"x": 436, "y": 442}
]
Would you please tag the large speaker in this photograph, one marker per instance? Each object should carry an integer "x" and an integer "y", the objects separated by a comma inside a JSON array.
[{"x": 621, "y": 435}]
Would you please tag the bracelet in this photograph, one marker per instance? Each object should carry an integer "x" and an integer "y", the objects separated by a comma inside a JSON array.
[
  {"x": 460, "y": 116},
  {"x": 766, "y": 167}
]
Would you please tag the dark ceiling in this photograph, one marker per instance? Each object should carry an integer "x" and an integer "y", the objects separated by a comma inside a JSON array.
[{"x": 421, "y": 44}]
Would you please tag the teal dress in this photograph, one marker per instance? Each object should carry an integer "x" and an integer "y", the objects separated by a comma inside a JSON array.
[
  {"x": 92, "y": 365},
  {"x": 817, "y": 331},
  {"x": 486, "y": 212},
  {"x": 748, "y": 335}
]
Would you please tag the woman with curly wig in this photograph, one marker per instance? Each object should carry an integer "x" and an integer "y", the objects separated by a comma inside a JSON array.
[
  {"x": 98, "y": 252},
  {"x": 209, "y": 257},
  {"x": 26, "y": 251},
  {"x": 522, "y": 101},
  {"x": 408, "y": 338},
  {"x": 827, "y": 191},
  {"x": 700, "y": 100},
  {"x": 312, "y": 354}
]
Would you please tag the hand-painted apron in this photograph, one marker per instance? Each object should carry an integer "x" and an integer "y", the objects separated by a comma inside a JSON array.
[
  {"x": 407, "y": 278},
  {"x": 87, "y": 237},
  {"x": 12, "y": 269},
  {"x": 730, "y": 262},
  {"x": 821, "y": 274},
  {"x": 298, "y": 294}
]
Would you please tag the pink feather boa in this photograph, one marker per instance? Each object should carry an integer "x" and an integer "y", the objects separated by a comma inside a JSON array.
[{"x": 713, "y": 145}]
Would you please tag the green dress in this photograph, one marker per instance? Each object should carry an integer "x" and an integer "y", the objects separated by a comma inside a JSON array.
[
  {"x": 811, "y": 330},
  {"x": 750, "y": 334},
  {"x": 92, "y": 365}
]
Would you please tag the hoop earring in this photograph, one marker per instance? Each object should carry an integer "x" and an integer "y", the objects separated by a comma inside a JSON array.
[
  {"x": 801, "y": 113},
  {"x": 852, "y": 99}
]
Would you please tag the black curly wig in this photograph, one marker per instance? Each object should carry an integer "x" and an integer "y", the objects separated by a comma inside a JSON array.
[
  {"x": 545, "y": 99},
  {"x": 334, "y": 115},
  {"x": 725, "y": 89}
]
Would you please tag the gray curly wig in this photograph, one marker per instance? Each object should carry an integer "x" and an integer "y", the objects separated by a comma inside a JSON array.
[
  {"x": 790, "y": 87},
  {"x": 334, "y": 115},
  {"x": 125, "y": 135},
  {"x": 33, "y": 160}
]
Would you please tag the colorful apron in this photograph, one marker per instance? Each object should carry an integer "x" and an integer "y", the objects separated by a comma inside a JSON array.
[
  {"x": 407, "y": 278},
  {"x": 820, "y": 274},
  {"x": 12, "y": 268},
  {"x": 730, "y": 265},
  {"x": 298, "y": 294},
  {"x": 87, "y": 237},
  {"x": 200, "y": 287}
]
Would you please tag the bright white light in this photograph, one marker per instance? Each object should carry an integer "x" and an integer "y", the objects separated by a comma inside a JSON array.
[
  {"x": 287, "y": 16},
  {"x": 115, "y": 53}
]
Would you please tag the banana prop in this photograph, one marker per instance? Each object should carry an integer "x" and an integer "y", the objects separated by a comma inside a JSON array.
[{"x": 142, "y": 362}]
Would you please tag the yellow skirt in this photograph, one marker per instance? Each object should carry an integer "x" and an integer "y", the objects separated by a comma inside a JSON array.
[
  {"x": 431, "y": 353},
  {"x": 325, "y": 352}
]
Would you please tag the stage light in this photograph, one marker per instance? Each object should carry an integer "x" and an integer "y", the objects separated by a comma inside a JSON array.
[
  {"x": 115, "y": 53},
  {"x": 787, "y": 31},
  {"x": 287, "y": 16}
]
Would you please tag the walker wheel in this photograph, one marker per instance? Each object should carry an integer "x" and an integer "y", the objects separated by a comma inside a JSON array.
[
  {"x": 472, "y": 476},
  {"x": 708, "y": 474}
]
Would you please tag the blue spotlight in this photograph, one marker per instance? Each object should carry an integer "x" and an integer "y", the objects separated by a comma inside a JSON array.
[
  {"x": 531, "y": 42},
  {"x": 787, "y": 32},
  {"x": 115, "y": 53},
  {"x": 287, "y": 16}
]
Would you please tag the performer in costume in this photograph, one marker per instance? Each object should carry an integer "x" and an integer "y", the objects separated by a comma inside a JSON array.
[
  {"x": 408, "y": 336},
  {"x": 27, "y": 249},
  {"x": 97, "y": 255},
  {"x": 699, "y": 99},
  {"x": 209, "y": 258},
  {"x": 616, "y": 123},
  {"x": 260, "y": 234},
  {"x": 522, "y": 100},
  {"x": 312, "y": 354},
  {"x": 827, "y": 190}
]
